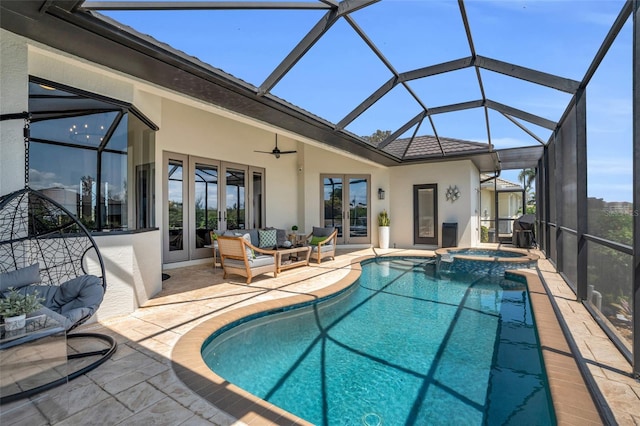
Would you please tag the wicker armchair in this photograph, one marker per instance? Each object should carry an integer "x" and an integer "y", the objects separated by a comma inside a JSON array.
[
  {"x": 238, "y": 256},
  {"x": 324, "y": 248}
]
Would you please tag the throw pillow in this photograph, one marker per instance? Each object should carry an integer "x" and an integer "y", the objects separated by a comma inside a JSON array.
[
  {"x": 268, "y": 238},
  {"x": 281, "y": 237},
  {"x": 315, "y": 240},
  {"x": 20, "y": 277},
  {"x": 321, "y": 232},
  {"x": 251, "y": 254}
]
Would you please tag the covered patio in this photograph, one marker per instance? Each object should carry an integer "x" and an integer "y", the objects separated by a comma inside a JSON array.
[{"x": 155, "y": 132}]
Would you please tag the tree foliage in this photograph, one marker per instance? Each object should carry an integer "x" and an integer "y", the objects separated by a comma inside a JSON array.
[{"x": 378, "y": 137}]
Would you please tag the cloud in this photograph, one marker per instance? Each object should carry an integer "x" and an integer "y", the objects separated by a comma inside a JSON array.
[{"x": 41, "y": 180}]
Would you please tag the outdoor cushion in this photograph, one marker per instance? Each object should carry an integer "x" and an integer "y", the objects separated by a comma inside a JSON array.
[
  {"x": 315, "y": 240},
  {"x": 328, "y": 247},
  {"x": 281, "y": 237},
  {"x": 267, "y": 238},
  {"x": 20, "y": 277},
  {"x": 255, "y": 237},
  {"x": 262, "y": 260},
  {"x": 246, "y": 236},
  {"x": 322, "y": 232},
  {"x": 75, "y": 299}
]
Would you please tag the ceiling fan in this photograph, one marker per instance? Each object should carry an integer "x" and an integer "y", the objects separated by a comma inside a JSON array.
[{"x": 275, "y": 151}]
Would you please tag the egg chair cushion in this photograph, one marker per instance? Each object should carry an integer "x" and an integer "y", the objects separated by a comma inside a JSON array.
[{"x": 76, "y": 299}]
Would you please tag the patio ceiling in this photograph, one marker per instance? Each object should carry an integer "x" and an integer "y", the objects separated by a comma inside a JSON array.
[{"x": 362, "y": 76}]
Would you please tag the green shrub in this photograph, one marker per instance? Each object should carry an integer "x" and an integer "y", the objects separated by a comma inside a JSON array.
[
  {"x": 484, "y": 234},
  {"x": 383, "y": 218}
]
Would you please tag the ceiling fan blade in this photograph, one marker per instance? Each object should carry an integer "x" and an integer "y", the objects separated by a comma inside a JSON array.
[
  {"x": 288, "y": 152},
  {"x": 264, "y": 152}
]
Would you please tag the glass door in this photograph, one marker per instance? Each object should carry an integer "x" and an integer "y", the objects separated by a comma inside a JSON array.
[
  {"x": 345, "y": 206},
  {"x": 234, "y": 202},
  {"x": 202, "y": 195},
  {"x": 358, "y": 215},
  {"x": 257, "y": 211},
  {"x": 175, "y": 219},
  {"x": 425, "y": 214},
  {"x": 204, "y": 205},
  {"x": 332, "y": 211}
]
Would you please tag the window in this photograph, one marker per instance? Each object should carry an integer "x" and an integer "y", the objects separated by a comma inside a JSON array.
[
  {"x": 94, "y": 156},
  {"x": 425, "y": 214}
]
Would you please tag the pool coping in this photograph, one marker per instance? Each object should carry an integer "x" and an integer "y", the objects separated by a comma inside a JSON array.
[
  {"x": 572, "y": 401},
  {"x": 525, "y": 258}
]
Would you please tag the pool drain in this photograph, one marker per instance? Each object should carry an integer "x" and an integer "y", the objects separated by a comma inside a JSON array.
[{"x": 371, "y": 419}]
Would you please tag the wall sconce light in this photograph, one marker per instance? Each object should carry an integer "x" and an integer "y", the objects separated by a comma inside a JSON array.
[{"x": 380, "y": 194}]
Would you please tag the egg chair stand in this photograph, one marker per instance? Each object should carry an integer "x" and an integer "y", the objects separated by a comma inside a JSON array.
[{"x": 44, "y": 248}]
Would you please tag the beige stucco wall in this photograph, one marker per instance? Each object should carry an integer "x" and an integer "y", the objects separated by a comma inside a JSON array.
[
  {"x": 464, "y": 211},
  {"x": 133, "y": 261},
  {"x": 319, "y": 161},
  {"x": 14, "y": 92},
  {"x": 188, "y": 126},
  {"x": 193, "y": 131}
]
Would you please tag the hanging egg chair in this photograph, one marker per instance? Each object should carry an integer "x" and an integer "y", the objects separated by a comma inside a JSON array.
[{"x": 44, "y": 249}]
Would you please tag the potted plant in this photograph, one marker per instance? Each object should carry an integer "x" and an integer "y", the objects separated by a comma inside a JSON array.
[
  {"x": 15, "y": 307},
  {"x": 293, "y": 236},
  {"x": 383, "y": 229}
]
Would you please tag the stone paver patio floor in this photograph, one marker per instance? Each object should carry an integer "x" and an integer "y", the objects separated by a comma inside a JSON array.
[{"x": 138, "y": 385}]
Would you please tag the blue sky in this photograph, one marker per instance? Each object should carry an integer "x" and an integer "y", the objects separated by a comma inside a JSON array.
[{"x": 555, "y": 36}]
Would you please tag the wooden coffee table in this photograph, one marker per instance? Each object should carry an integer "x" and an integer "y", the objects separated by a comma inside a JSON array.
[{"x": 298, "y": 256}]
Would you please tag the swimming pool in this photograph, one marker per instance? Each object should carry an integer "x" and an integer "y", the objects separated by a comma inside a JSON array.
[{"x": 460, "y": 350}]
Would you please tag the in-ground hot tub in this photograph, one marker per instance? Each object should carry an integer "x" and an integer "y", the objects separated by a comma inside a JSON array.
[{"x": 483, "y": 260}]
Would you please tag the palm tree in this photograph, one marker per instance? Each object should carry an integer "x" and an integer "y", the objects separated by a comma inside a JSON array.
[{"x": 527, "y": 177}]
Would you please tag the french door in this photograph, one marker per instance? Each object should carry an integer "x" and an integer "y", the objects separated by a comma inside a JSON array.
[
  {"x": 202, "y": 195},
  {"x": 345, "y": 205}
]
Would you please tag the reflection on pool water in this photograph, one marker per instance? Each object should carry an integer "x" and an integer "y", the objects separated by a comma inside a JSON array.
[
  {"x": 401, "y": 346},
  {"x": 485, "y": 253}
]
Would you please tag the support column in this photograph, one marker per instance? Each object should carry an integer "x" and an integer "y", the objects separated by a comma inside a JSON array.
[
  {"x": 581, "y": 193},
  {"x": 636, "y": 188}
]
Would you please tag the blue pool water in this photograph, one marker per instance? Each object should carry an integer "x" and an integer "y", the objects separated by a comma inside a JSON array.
[
  {"x": 401, "y": 347},
  {"x": 485, "y": 253}
]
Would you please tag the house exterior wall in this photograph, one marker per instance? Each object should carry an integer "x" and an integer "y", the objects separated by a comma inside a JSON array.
[
  {"x": 192, "y": 131},
  {"x": 14, "y": 90},
  {"x": 464, "y": 211},
  {"x": 187, "y": 126},
  {"x": 320, "y": 161},
  {"x": 132, "y": 261}
]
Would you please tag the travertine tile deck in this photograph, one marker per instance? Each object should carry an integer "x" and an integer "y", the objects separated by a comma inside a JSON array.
[{"x": 139, "y": 386}]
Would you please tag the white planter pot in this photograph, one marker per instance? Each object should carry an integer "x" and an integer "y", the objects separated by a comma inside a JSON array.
[
  {"x": 383, "y": 237},
  {"x": 14, "y": 323}
]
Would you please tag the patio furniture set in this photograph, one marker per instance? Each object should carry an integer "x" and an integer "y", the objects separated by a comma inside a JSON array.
[{"x": 258, "y": 251}]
